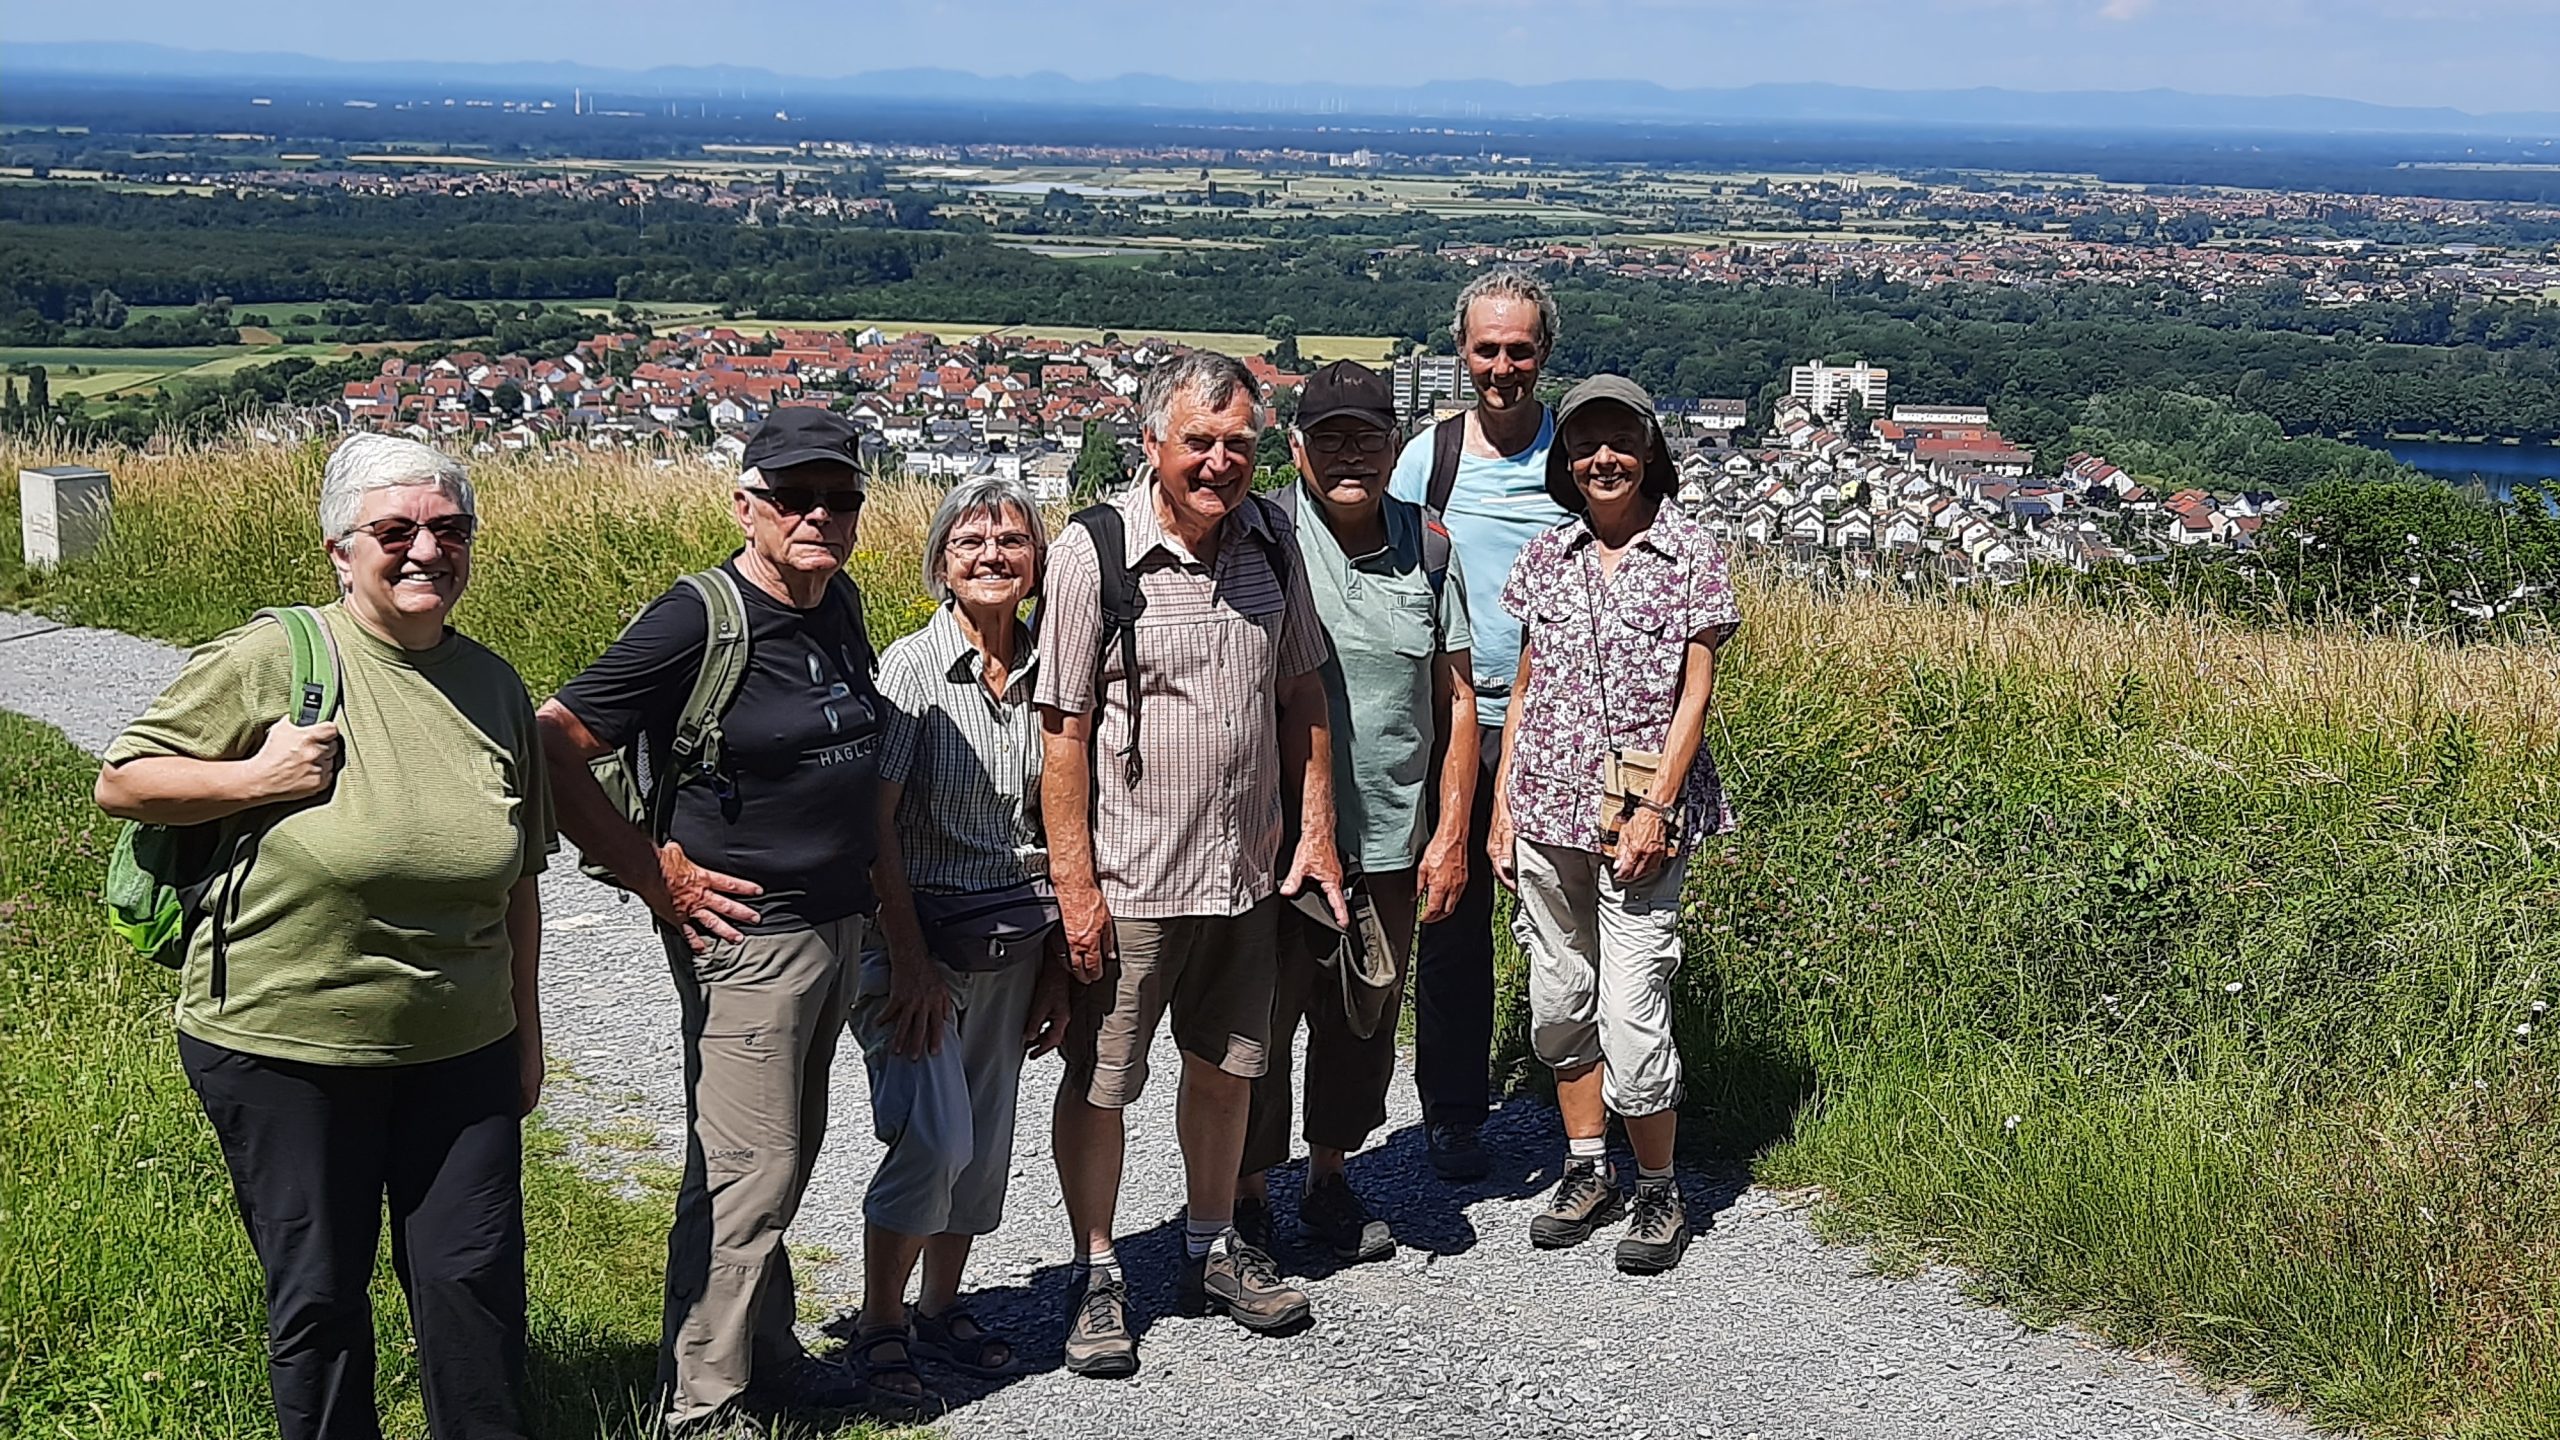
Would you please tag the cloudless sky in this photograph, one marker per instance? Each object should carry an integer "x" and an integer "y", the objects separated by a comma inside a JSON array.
[{"x": 2479, "y": 55}]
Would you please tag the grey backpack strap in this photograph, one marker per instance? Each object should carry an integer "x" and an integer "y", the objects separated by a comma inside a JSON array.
[{"x": 1435, "y": 552}]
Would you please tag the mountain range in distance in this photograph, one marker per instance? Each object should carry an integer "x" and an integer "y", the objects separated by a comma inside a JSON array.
[{"x": 1629, "y": 101}]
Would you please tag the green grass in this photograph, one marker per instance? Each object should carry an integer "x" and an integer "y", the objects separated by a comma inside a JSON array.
[
  {"x": 2238, "y": 924},
  {"x": 129, "y": 1300}
]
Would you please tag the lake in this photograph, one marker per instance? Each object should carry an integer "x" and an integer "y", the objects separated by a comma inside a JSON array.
[{"x": 2498, "y": 467}]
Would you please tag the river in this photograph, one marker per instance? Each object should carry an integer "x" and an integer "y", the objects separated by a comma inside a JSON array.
[{"x": 2497, "y": 467}]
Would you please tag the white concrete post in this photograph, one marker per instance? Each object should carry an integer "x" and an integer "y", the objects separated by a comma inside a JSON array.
[{"x": 63, "y": 513}]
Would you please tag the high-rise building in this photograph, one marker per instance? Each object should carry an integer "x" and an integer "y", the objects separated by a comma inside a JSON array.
[
  {"x": 1826, "y": 389},
  {"x": 1429, "y": 384}
]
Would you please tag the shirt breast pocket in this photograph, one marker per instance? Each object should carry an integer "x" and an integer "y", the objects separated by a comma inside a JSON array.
[{"x": 1409, "y": 627}]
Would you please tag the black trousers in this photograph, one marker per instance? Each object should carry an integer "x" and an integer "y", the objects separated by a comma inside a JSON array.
[
  {"x": 314, "y": 1152},
  {"x": 1453, "y": 977}
]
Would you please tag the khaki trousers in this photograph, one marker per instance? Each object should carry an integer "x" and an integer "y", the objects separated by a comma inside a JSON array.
[
  {"x": 1601, "y": 957},
  {"x": 761, "y": 1017},
  {"x": 1347, "y": 1077}
]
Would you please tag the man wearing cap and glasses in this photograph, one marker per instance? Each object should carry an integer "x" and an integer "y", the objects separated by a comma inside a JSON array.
[
  {"x": 1397, "y": 682},
  {"x": 759, "y": 881}
]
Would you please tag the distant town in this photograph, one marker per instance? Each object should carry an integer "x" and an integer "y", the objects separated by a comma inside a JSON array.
[{"x": 1841, "y": 482}]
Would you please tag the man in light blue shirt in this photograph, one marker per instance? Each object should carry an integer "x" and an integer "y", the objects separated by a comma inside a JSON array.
[{"x": 1495, "y": 503}]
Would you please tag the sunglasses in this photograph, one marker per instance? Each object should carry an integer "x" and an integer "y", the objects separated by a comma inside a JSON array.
[
  {"x": 396, "y": 533},
  {"x": 801, "y": 499},
  {"x": 1334, "y": 442}
]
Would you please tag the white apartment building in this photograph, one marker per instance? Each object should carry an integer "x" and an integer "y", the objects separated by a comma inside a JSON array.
[
  {"x": 1826, "y": 388},
  {"x": 1427, "y": 384}
]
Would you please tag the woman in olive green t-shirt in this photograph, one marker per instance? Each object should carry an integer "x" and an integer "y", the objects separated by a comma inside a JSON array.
[{"x": 372, "y": 1033}]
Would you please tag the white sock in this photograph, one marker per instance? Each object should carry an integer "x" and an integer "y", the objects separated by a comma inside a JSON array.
[
  {"x": 1200, "y": 1236},
  {"x": 1594, "y": 1148},
  {"x": 1106, "y": 1260},
  {"x": 1648, "y": 1176}
]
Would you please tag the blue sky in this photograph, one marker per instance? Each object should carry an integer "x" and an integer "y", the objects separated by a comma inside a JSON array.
[{"x": 2475, "y": 54}]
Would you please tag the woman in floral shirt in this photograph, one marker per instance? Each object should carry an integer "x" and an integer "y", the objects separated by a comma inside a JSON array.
[{"x": 1621, "y": 609}]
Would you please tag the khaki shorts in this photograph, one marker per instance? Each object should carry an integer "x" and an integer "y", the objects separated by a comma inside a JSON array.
[{"x": 1215, "y": 973}]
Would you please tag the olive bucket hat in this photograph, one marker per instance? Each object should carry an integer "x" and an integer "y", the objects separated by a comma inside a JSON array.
[{"x": 1661, "y": 477}]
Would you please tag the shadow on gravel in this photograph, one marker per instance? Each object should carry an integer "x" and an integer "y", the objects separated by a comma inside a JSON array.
[{"x": 1524, "y": 1139}]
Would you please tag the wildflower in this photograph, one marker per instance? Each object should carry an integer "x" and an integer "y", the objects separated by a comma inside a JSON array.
[
  {"x": 2540, "y": 1006},
  {"x": 2524, "y": 1031},
  {"x": 2011, "y": 1124},
  {"x": 2233, "y": 988}
]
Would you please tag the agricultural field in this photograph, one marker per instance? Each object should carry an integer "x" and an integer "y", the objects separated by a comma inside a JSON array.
[{"x": 112, "y": 371}]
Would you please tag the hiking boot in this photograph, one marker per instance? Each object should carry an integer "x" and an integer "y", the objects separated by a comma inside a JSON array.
[
  {"x": 1456, "y": 1154},
  {"x": 808, "y": 1386},
  {"x": 1585, "y": 1200},
  {"x": 1333, "y": 1216},
  {"x": 1253, "y": 1223},
  {"x": 1241, "y": 1281},
  {"x": 1657, "y": 1230},
  {"x": 1098, "y": 1340}
]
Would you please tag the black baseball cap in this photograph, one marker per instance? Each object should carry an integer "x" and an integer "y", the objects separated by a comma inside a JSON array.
[
  {"x": 799, "y": 434},
  {"x": 1347, "y": 387}
]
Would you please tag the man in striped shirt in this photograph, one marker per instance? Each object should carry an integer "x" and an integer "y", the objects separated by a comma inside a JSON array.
[{"x": 1168, "y": 892}]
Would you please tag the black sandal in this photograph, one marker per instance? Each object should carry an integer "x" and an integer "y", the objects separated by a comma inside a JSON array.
[
  {"x": 957, "y": 1339},
  {"x": 893, "y": 1401}
]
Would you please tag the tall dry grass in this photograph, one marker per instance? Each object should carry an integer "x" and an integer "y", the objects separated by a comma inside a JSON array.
[{"x": 2178, "y": 974}]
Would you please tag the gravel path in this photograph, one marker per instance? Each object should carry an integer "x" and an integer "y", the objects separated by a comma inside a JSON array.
[{"x": 1764, "y": 1332}]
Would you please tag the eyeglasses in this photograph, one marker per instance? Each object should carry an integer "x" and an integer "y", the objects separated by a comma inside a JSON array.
[
  {"x": 970, "y": 547},
  {"x": 801, "y": 499},
  {"x": 397, "y": 532},
  {"x": 1334, "y": 442}
]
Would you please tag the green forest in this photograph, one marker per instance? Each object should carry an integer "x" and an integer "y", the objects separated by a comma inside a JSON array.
[{"x": 2431, "y": 367}]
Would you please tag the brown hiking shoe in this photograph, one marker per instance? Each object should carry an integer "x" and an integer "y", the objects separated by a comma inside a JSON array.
[
  {"x": 1098, "y": 1340},
  {"x": 1240, "y": 1280},
  {"x": 1657, "y": 1230},
  {"x": 1584, "y": 1201}
]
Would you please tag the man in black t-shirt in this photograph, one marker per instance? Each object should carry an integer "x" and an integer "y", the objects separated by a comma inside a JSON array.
[{"x": 762, "y": 895}]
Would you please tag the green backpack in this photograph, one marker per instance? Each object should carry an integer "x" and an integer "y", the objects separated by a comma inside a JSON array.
[
  {"x": 161, "y": 878},
  {"x": 642, "y": 786}
]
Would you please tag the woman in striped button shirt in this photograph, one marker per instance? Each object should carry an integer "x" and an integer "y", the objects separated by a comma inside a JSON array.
[{"x": 973, "y": 977}]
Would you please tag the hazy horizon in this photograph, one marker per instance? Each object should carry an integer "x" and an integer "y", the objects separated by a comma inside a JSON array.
[{"x": 2481, "y": 56}]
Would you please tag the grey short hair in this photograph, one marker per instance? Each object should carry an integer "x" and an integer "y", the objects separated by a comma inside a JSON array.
[
  {"x": 991, "y": 496},
  {"x": 366, "y": 461},
  {"x": 1506, "y": 283},
  {"x": 1203, "y": 375}
]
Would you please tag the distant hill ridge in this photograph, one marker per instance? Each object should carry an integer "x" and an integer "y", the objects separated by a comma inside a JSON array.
[{"x": 2155, "y": 109}]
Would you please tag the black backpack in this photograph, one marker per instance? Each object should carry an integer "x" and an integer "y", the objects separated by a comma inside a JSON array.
[
  {"x": 1122, "y": 601},
  {"x": 1448, "y": 447}
]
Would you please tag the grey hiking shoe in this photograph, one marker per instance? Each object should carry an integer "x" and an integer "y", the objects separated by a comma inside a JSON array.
[
  {"x": 1585, "y": 1200},
  {"x": 1239, "y": 1280},
  {"x": 1333, "y": 1216},
  {"x": 1098, "y": 1340},
  {"x": 1657, "y": 1230},
  {"x": 1457, "y": 1154}
]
